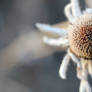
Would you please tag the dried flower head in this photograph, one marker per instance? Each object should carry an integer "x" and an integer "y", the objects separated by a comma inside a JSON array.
[
  {"x": 77, "y": 38},
  {"x": 80, "y": 36}
]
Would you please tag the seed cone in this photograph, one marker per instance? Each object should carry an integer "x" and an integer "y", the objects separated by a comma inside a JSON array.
[{"x": 80, "y": 36}]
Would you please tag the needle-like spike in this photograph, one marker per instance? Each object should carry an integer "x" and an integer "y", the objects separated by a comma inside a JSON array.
[
  {"x": 51, "y": 30},
  {"x": 64, "y": 66}
]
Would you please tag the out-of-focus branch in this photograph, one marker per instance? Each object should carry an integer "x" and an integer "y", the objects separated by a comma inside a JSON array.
[{"x": 89, "y": 3}]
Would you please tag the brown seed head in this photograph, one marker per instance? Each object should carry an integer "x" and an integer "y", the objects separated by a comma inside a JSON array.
[{"x": 80, "y": 36}]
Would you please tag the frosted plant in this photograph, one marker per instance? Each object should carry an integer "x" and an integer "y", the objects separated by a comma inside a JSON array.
[{"x": 77, "y": 38}]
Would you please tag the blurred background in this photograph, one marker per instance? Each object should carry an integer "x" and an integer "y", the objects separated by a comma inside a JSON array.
[{"x": 26, "y": 63}]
